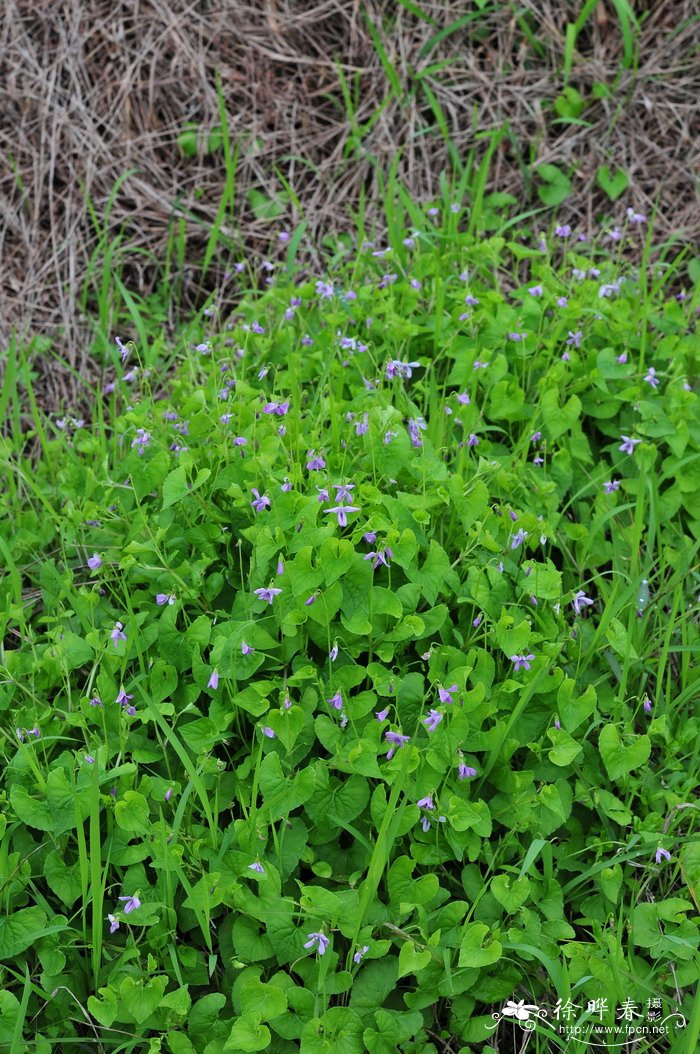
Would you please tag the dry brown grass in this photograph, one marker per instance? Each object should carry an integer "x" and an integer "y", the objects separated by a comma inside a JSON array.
[{"x": 92, "y": 88}]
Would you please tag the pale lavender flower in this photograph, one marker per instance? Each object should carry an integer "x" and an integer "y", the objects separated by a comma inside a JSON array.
[
  {"x": 636, "y": 217},
  {"x": 280, "y": 567},
  {"x": 255, "y": 327},
  {"x": 123, "y": 350},
  {"x": 165, "y": 598},
  {"x": 562, "y": 301},
  {"x": 463, "y": 398},
  {"x": 575, "y": 338},
  {"x": 117, "y": 633},
  {"x": 130, "y": 904},
  {"x": 315, "y": 462},
  {"x": 518, "y": 538},
  {"x": 651, "y": 378},
  {"x": 628, "y": 444},
  {"x": 336, "y": 701},
  {"x": 269, "y": 732},
  {"x": 611, "y": 486},
  {"x": 359, "y": 955},
  {"x": 323, "y": 494},
  {"x": 381, "y": 715},
  {"x": 662, "y": 854},
  {"x": 257, "y": 867},
  {"x": 333, "y": 653},
  {"x": 471, "y": 300},
  {"x": 521, "y": 661},
  {"x": 446, "y": 694},
  {"x": 286, "y": 485},
  {"x": 168, "y": 794},
  {"x": 213, "y": 682},
  {"x": 246, "y": 649},
  {"x": 95, "y": 701},
  {"x": 342, "y": 491},
  {"x": 535, "y": 437},
  {"x": 563, "y": 231},
  {"x": 396, "y": 368},
  {"x": 473, "y": 440},
  {"x": 310, "y": 600},
  {"x": 89, "y": 759},
  {"x": 260, "y": 502},
  {"x": 433, "y": 720},
  {"x": 283, "y": 236},
  {"x": 397, "y": 741},
  {"x": 341, "y": 512},
  {"x": 535, "y": 290},
  {"x": 580, "y": 600},
  {"x": 123, "y": 698},
  {"x": 95, "y": 562},
  {"x": 647, "y": 706},
  {"x": 143, "y": 438},
  {"x": 622, "y": 359},
  {"x": 267, "y": 594},
  {"x": 465, "y": 772},
  {"x": 426, "y": 803},
  {"x": 362, "y": 427},
  {"x": 113, "y": 923},
  {"x": 319, "y": 941}
]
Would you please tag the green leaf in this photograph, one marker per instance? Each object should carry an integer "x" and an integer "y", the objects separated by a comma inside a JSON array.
[
  {"x": 262, "y": 1001},
  {"x": 473, "y": 950},
  {"x": 613, "y": 184},
  {"x": 619, "y": 759},
  {"x": 131, "y": 813},
  {"x": 510, "y": 894},
  {"x": 103, "y": 1009},
  {"x": 555, "y": 187},
  {"x": 564, "y": 748},
  {"x": 574, "y": 709},
  {"x": 411, "y": 960},
  {"x": 140, "y": 997},
  {"x": 175, "y": 487},
  {"x": 247, "y": 1034},
  {"x": 20, "y": 931}
]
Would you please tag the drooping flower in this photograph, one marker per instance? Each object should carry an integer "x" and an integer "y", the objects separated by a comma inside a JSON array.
[
  {"x": 122, "y": 697},
  {"x": 95, "y": 562},
  {"x": 611, "y": 486},
  {"x": 381, "y": 715},
  {"x": 535, "y": 290},
  {"x": 130, "y": 904},
  {"x": 580, "y": 600},
  {"x": 465, "y": 772},
  {"x": 246, "y": 649},
  {"x": 333, "y": 653},
  {"x": 213, "y": 680},
  {"x": 662, "y": 854},
  {"x": 336, "y": 700},
  {"x": 168, "y": 794},
  {"x": 359, "y": 955},
  {"x": 651, "y": 377},
  {"x": 269, "y": 732},
  {"x": 319, "y": 941},
  {"x": 113, "y": 923},
  {"x": 426, "y": 803},
  {"x": 165, "y": 598},
  {"x": 257, "y": 867},
  {"x": 446, "y": 694}
]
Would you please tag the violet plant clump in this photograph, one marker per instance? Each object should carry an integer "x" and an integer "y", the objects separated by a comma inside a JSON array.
[{"x": 329, "y": 728}]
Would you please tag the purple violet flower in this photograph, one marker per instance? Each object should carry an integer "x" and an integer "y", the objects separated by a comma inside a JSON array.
[
  {"x": 662, "y": 854},
  {"x": 130, "y": 904},
  {"x": 117, "y": 633},
  {"x": 580, "y": 600},
  {"x": 359, "y": 955},
  {"x": 628, "y": 444},
  {"x": 611, "y": 486},
  {"x": 319, "y": 941},
  {"x": 397, "y": 741},
  {"x": 259, "y": 503},
  {"x": 315, "y": 462},
  {"x": 433, "y": 720},
  {"x": 518, "y": 538},
  {"x": 521, "y": 661},
  {"x": 257, "y": 867},
  {"x": 267, "y": 594},
  {"x": 213, "y": 680},
  {"x": 341, "y": 512},
  {"x": 95, "y": 562},
  {"x": 446, "y": 694},
  {"x": 336, "y": 701},
  {"x": 246, "y": 649},
  {"x": 113, "y": 923}
]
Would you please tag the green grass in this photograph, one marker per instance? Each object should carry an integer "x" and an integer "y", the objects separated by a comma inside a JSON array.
[{"x": 532, "y": 879}]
